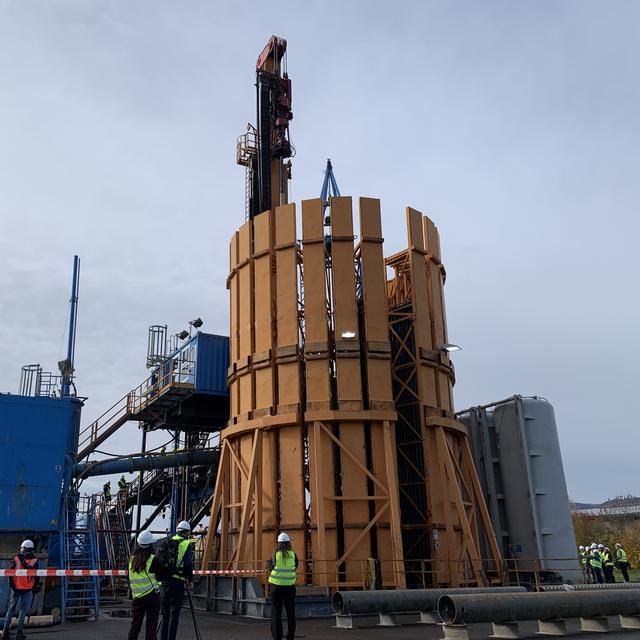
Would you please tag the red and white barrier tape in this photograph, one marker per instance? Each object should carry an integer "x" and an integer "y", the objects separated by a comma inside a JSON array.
[{"x": 112, "y": 572}]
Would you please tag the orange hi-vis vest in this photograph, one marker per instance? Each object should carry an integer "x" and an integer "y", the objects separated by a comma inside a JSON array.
[{"x": 24, "y": 583}]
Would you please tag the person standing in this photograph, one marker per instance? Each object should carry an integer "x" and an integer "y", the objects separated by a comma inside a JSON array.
[
  {"x": 282, "y": 578},
  {"x": 622, "y": 561},
  {"x": 590, "y": 575},
  {"x": 608, "y": 566},
  {"x": 144, "y": 581},
  {"x": 23, "y": 588},
  {"x": 122, "y": 492},
  {"x": 582, "y": 555},
  {"x": 106, "y": 491},
  {"x": 173, "y": 587},
  {"x": 596, "y": 563}
]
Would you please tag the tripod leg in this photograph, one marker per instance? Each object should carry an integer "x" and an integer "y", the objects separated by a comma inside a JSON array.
[{"x": 193, "y": 615}]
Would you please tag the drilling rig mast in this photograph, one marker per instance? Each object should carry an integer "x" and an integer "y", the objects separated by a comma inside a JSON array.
[{"x": 262, "y": 149}]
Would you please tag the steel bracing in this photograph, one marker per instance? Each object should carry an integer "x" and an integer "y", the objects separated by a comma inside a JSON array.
[{"x": 341, "y": 428}]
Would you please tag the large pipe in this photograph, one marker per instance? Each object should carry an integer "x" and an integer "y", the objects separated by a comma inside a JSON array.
[
  {"x": 510, "y": 607},
  {"x": 590, "y": 587},
  {"x": 402, "y": 600},
  {"x": 146, "y": 463}
]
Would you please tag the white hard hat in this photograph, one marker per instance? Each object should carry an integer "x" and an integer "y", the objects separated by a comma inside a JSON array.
[
  {"x": 581, "y": 547},
  {"x": 600, "y": 546},
  {"x": 618, "y": 544},
  {"x": 284, "y": 537},
  {"x": 183, "y": 526},
  {"x": 594, "y": 545},
  {"x": 27, "y": 544},
  {"x": 145, "y": 539}
]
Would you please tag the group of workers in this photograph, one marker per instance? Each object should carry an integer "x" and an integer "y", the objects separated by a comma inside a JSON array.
[
  {"x": 122, "y": 489},
  {"x": 152, "y": 592},
  {"x": 598, "y": 562}
]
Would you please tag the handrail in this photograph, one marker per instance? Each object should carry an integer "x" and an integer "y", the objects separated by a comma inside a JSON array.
[
  {"x": 149, "y": 478},
  {"x": 100, "y": 423},
  {"x": 177, "y": 371}
]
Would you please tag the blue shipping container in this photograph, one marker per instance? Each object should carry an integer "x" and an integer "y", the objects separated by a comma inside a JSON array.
[
  {"x": 212, "y": 363},
  {"x": 35, "y": 436}
]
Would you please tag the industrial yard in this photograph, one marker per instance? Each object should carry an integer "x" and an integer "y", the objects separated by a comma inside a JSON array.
[
  {"x": 303, "y": 446},
  {"x": 241, "y": 629}
]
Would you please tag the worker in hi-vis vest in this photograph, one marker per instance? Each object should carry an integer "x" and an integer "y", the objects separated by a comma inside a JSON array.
[
  {"x": 622, "y": 561},
  {"x": 282, "y": 578},
  {"x": 173, "y": 587},
  {"x": 607, "y": 564},
  {"x": 144, "y": 581},
  {"x": 596, "y": 563},
  {"x": 23, "y": 589}
]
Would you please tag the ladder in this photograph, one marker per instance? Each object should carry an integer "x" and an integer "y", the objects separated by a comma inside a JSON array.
[
  {"x": 81, "y": 595},
  {"x": 114, "y": 543}
]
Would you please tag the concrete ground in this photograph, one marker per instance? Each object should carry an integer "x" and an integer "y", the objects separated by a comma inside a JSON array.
[{"x": 215, "y": 627}]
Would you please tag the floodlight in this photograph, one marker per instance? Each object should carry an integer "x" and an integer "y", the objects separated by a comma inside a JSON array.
[
  {"x": 65, "y": 367},
  {"x": 348, "y": 335},
  {"x": 448, "y": 347},
  {"x": 183, "y": 334},
  {"x": 197, "y": 323}
]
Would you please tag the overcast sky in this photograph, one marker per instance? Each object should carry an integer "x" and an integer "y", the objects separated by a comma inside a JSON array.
[{"x": 514, "y": 125}]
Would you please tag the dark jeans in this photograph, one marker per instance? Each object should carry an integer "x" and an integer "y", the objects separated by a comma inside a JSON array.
[
  {"x": 148, "y": 605},
  {"x": 598, "y": 574},
  {"x": 283, "y": 596},
  {"x": 608, "y": 574},
  {"x": 19, "y": 604},
  {"x": 624, "y": 568},
  {"x": 172, "y": 597}
]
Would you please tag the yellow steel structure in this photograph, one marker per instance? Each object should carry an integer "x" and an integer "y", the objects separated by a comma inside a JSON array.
[{"x": 330, "y": 362}]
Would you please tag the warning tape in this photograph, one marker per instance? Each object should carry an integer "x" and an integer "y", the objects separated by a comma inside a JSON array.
[{"x": 111, "y": 572}]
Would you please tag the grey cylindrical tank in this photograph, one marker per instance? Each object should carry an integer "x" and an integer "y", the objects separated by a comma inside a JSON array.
[{"x": 534, "y": 486}]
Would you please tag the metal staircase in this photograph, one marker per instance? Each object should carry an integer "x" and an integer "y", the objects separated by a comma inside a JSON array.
[
  {"x": 106, "y": 425},
  {"x": 81, "y": 595},
  {"x": 113, "y": 526},
  {"x": 170, "y": 382}
]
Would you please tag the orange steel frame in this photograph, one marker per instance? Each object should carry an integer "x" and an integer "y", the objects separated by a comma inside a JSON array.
[
  {"x": 457, "y": 514},
  {"x": 310, "y": 446}
]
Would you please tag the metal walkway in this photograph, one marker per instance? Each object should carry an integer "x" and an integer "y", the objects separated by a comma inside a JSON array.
[{"x": 172, "y": 381}]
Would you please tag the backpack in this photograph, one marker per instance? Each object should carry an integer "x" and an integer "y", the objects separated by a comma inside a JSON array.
[{"x": 166, "y": 551}]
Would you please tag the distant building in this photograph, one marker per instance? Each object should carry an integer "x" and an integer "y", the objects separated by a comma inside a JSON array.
[{"x": 628, "y": 506}]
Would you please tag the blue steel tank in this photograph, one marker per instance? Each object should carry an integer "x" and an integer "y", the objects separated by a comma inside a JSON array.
[{"x": 37, "y": 434}]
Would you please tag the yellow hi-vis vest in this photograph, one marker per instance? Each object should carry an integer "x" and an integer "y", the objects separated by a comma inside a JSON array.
[
  {"x": 596, "y": 561},
  {"x": 283, "y": 573},
  {"x": 183, "y": 545},
  {"x": 583, "y": 557},
  {"x": 621, "y": 555},
  {"x": 143, "y": 582}
]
